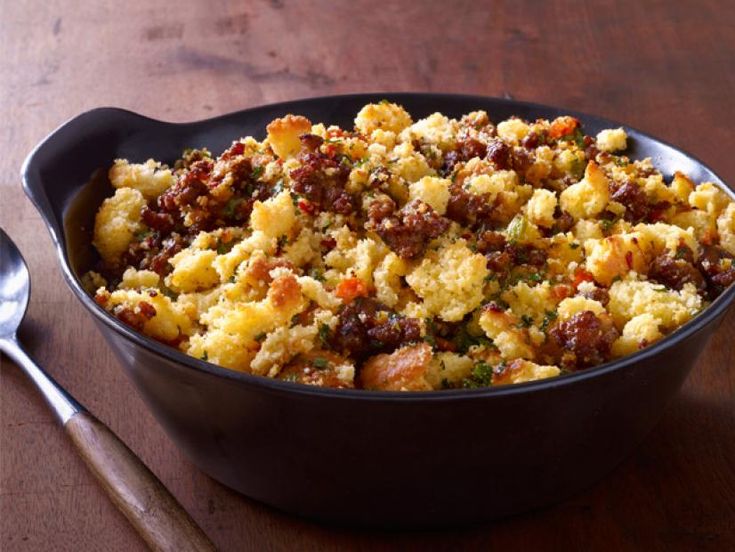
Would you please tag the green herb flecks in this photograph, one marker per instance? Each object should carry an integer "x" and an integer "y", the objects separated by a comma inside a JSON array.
[
  {"x": 257, "y": 172},
  {"x": 320, "y": 363},
  {"x": 549, "y": 318},
  {"x": 526, "y": 321},
  {"x": 231, "y": 206},
  {"x": 324, "y": 333},
  {"x": 481, "y": 376}
]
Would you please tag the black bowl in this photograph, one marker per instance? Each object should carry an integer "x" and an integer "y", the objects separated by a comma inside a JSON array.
[{"x": 356, "y": 457}]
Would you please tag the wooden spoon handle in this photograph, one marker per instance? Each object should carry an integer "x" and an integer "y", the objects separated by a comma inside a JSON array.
[{"x": 135, "y": 490}]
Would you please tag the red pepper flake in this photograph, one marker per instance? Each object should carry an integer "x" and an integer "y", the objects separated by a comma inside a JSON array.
[
  {"x": 330, "y": 150},
  {"x": 629, "y": 259},
  {"x": 307, "y": 207},
  {"x": 493, "y": 307}
]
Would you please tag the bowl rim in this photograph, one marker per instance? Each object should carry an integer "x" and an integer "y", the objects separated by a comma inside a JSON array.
[{"x": 33, "y": 187}]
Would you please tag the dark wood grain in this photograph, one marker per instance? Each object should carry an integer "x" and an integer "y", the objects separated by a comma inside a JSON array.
[
  {"x": 156, "y": 515},
  {"x": 665, "y": 67}
]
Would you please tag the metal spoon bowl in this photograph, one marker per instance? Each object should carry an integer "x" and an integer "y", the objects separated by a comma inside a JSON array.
[{"x": 137, "y": 492}]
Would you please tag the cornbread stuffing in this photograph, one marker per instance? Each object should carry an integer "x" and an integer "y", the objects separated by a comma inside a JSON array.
[{"x": 411, "y": 255}]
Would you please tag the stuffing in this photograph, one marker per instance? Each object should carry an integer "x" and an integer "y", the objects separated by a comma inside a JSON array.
[
  {"x": 387, "y": 278},
  {"x": 233, "y": 329},
  {"x": 615, "y": 256},
  {"x": 540, "y": 208},
  {"x": 611, "y": 140},
  {"x": 586, "y": 198},
  {"x": 384, "y": 116},
  {"x": 436, "y": 129},
  {"x": 404, "y": 370},
  {"x": 512, "y": 130},
  {"x": 134, "y": 279},
  {"x": 395, "y": 255},
  {"x": 410, "y": 165},
  {"x": 450, "y": 281},
  {"x": 726, "y": 228},
  {"x": 521, "y": 371},
  {"x": 682, "y": 187},
  {"x": 572, "y": 305},
  {"x": 639, "y": 332},
  {"x": 630, "y": 298},
  {"x": 710, "y": 198},
  {"x": 493, "y": 184},
  {"x": 663, "y": 236},
  {"x": 274, "y": 217},
  {"x": 116, "y": 223},
  {"x": 284, "y": 133},
  {"x": 433, "y": 191},
  {"x": 702, "y": 223},
  {"x": 148, "y": 311},
  {"x": 193, "y": 271},
  {"x": 530, "y": 302},
  {"x": 448, "y": 369},
  {"x": 149, "y": 178},
  {"x": 507, "y": 334}
]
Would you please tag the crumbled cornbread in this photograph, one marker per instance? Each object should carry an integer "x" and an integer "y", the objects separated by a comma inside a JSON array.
[{"x": 411, "y": 255}]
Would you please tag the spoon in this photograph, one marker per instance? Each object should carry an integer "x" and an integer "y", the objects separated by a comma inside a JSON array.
[{"x": 136, "y": 491}]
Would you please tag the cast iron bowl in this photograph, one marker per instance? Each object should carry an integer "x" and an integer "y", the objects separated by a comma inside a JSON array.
[{"x": 355, "y": 457}]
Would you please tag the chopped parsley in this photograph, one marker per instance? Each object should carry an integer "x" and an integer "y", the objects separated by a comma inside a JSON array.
[
  {"x": 464, "y": 341},
  {"x": 682, "y": 252},
  {"x": 517, "y": 228},
  {"x": 324, "y": 332},
  {"x": 231, "y": 206},
  {"x": 257, "y": 172},
  {"x": 606, "y": 224},
  {"x": 481, "y": 376},
  {"x": 320, "y": 363},
  {"x": 526, "y": 321},
  {"x": 577, "y": 137},
  {"x": 549, "y": 318},
  {"x": 223, "y": 248}
]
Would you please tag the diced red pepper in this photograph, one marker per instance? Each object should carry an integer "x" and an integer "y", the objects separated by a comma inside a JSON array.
[
  {"x": 350, "y": 288},
  {"x": 581, "y": 275},
  {"x": 563, "y": 126},
  {"x": 307, "y": 207}
]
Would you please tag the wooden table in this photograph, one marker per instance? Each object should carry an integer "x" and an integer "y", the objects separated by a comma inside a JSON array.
[{"x": 667, "y": 68}]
